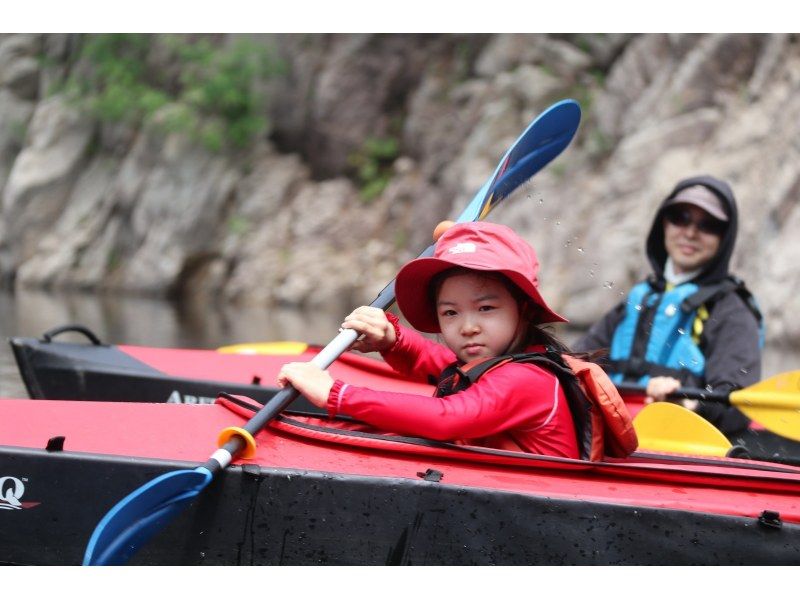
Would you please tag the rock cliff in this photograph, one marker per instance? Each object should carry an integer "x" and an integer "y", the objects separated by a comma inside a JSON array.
[{"x": 97, "y": 206}]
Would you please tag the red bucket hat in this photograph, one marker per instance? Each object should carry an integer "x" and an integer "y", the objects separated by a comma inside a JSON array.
[{"x": 481, "y": 246}]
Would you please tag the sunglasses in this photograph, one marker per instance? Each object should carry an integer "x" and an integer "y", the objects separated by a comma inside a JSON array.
[{"x": 682, "y": 218}]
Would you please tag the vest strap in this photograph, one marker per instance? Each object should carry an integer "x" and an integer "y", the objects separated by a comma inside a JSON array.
[{"x": 455, "y": 379}]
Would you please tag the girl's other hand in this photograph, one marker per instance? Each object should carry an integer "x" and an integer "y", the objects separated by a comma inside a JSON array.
[
  {"x": 376, "y": 332},
  {"x": 312, "y": 382}
]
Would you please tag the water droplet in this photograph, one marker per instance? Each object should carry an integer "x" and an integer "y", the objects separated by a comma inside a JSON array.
[
  {"x": 568, "y": 243},
  {"x": 637, "y": 307},
  {"x": 541, "y": 201},
  {"x": 608, "y": 284},
  {"x": 558, "y": 223},
  {"x": 744, "y": 371},
  {"x": 709, "y": 388},
  {"x": 591, "y": 273},
  {"x": 681, "y": 331},
  {"x": 580, "y": 249}
]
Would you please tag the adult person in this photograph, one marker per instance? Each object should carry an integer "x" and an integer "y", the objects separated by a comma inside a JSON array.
[{"x": 690, "y": 323}]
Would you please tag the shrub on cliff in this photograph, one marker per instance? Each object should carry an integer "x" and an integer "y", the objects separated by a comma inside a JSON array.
[{"x": 215, "y": 89}]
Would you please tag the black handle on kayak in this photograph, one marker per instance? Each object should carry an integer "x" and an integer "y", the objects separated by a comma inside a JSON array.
[{"x": 48, "y": 336}]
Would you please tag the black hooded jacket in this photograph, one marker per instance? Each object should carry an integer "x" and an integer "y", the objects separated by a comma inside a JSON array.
[
  {"x": 730, "y": 339},
  {"x": 717, "y": 267}
]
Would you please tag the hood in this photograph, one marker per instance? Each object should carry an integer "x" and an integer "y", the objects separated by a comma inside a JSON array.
[{"x": 717, "y": 267}]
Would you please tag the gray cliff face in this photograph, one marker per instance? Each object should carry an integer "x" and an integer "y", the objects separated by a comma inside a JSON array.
[{"x": 93, "y": 206}]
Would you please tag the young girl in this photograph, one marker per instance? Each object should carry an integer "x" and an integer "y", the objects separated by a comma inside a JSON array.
[{"x": 480, "y": 292}]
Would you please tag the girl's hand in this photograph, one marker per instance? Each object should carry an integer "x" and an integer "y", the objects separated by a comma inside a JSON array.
[
  {"x": 312, "y": 382},
  {"x": 375, "y": 330},
  {"x": 659, "y": 387}
]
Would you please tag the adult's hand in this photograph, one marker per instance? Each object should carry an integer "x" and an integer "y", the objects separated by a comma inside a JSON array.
[{"x": 659, "y": 387}]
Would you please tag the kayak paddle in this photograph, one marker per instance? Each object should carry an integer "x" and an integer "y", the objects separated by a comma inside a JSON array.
[
  {"x": 141, "y": 514},
  {"x": 774, "y": 403},
  {"x": 667, "y": 427}
]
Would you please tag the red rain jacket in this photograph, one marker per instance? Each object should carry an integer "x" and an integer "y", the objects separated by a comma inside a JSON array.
[{"x": 516, "y": 407}]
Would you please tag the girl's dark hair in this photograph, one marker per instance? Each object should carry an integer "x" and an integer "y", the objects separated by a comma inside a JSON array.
[{"x": 534, "y": 335}]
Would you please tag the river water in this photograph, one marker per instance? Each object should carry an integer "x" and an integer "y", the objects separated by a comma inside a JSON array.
[{"x": 152, "y": 322}]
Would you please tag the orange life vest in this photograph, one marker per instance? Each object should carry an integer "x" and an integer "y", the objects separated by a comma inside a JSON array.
[{"x": 603, "y": 424}]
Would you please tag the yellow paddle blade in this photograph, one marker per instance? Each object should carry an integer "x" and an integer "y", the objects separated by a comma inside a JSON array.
[
  {"x": 276, "y": 348},
  {"x": 670, "y": 428},
  {"x": 774, "y": 403}
]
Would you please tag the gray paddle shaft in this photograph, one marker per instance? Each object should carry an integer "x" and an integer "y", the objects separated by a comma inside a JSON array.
[{"x": 323, "y": 360}]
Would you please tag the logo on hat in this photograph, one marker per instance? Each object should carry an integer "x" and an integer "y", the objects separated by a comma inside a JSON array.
[{"x": 462, "y": 248}]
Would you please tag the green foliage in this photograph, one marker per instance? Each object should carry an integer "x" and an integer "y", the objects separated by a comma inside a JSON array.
[
  {"x": 599, "y": 77},
  {"x": 113, "y": 259},
  {"x": 583, "y": 94},
  {"x": 17, "y": 131},
  {"x": 599, "y": 144},
  {"x": 212, "y": 91},
  {"x": 558, "y": 169},
  {"x": 373, "y": 164},
  {"x": 400, "y": 239},
  {"x": 238, "y": 225}
]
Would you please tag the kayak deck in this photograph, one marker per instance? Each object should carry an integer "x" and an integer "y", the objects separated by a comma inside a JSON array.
[{"x": 187, "y": 433}]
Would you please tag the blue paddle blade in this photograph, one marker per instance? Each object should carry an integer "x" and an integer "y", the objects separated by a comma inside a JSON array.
[
  {"x": 561, "y": 118},
  {"x": 543, "y": 140},
  {"x": 138, "y": 516},
  {"x": 530, "y": 165}
]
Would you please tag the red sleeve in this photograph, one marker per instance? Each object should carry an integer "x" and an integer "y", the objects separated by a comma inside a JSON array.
[
  {"x": 415, "y": 356},
  {"x": 513, "y": 397}
]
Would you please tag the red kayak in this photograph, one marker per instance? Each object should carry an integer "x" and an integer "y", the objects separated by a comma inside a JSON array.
[
  {"x": 95, "y": 371},
  {"x": 320, "y": 492}
]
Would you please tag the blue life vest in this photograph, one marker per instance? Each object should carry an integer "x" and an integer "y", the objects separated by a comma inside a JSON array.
[{"x": 655, "y": 336}]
